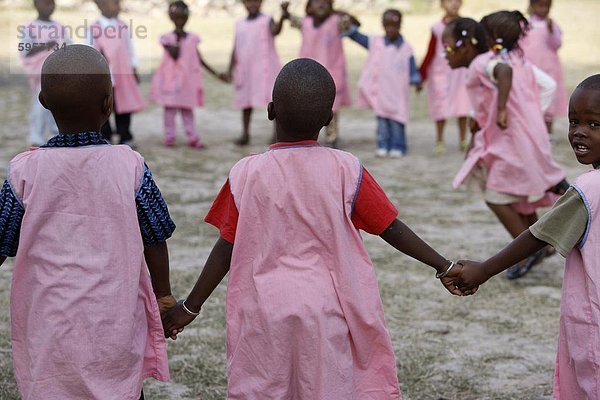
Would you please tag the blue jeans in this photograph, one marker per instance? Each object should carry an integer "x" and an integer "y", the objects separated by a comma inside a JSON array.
[{"x": 390, "y": 135}]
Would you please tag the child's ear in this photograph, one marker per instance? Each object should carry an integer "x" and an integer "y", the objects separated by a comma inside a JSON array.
[
  {"x": 42, "y": 101},
  {"x": 107, "y": 105},
  {"x": 329, "y": 119},
  {"x": 271, "y": 111}
]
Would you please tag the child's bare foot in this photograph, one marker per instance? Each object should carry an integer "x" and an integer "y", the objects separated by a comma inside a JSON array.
[{"x": 242, "y": 141}]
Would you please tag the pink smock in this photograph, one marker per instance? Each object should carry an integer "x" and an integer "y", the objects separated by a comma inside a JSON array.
[
  {"x": 577, "y": 374},
  {"x": 446, "y": 88},
  {"x": 384, "y": 84},
  {"x": 304, "y": 315},
  {"x": 518, "y": 160},
  {"x": 40, "y": 32},
  {"x": 112, "y": 43},
  {"x": 256, "y": 63},
  {"x": 324, "y": 44},
  {"x": 178, "y": 83},
  {"x": 84, "y": 319},
  {"x": 541, "y": 48}
]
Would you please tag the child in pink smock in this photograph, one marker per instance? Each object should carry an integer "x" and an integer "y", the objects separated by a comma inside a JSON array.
[
  {"x": 304, "y": 315},
  {"x": 511, "y": 156},
  {"x": 573, "y": 228},
  {"x": 254, "y": 62},
  {"x": 39, "y": 39},
  {"x": 446, "y": 88},
  {"x": 541, "y": 48},
  {"x": 177, "y": 84},
  {"x": 88, "y": 227},
  {"x": 111, "y": 36},
  {"x": 321, "y": 41},
  {"x": 385, "y": 81}
]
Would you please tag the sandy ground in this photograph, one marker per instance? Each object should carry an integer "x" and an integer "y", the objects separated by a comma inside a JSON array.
[{"x": 499, "y": 344}]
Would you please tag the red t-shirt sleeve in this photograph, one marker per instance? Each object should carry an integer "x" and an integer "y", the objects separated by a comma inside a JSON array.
[
  {"x": 428, "y": 58},
  {"x": 373, "y": 211},
  {"x": 223, "y": 214}
]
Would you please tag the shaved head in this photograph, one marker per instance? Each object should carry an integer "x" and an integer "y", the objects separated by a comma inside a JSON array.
[
  {"x": 591, "y": 82},
  {"x": 76, "y": 83},
  {"x": 303, "y": 97}
]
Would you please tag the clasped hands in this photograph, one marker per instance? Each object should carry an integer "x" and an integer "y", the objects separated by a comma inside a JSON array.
[{"x": 464, "y": 278}]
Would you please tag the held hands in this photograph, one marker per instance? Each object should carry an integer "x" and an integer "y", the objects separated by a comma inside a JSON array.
[
  {"x": 176, "y": 319},
  {"x": 345, "y": 23},
  {"x": 453, "y": 278},
  {"x": 165, "y": 303},
  {"x": 472, "y": 274}
]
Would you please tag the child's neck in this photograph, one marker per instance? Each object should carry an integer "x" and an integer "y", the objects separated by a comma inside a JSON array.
[
  {"x": 448, "y": 18},
  {"x": 109, "y": 16},
  {"x": 45, "y": 18},
  {"x": 253, "y": 16},
  {"x": 180, "y": 32},
  {"x": 318, "y": 21}
]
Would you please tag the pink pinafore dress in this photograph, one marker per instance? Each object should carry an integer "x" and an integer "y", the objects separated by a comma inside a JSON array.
[
  {"x": 41, "y": 32},
  {"x": 324, "y": 44},
  {"x": 541, "y": 48},
  {"x": 128, "y": 98},
  {"x": 384, "y": 84},
  {"x": 304, "y": 315},
  {"x": 446, "y": 88},
  {"x": 518, "y": 160},
  {"x": 256, "y": 63},
  {"x": 577, "y": 374},
  {"x": 178, "y": 83},
  {"x": 84, "y": 319}
]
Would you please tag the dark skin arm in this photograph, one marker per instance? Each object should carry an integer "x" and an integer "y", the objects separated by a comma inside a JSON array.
[
  {"x": 402, "y": 238},
  {"x": 276, "y": 26},
  {"x": 503, "y": 75},
  {"x": 216, "y": 267},
  {"x": 473, "y": 274},
  {"x": 214, "y": 73},
  {"x": 157, "y": 259}
]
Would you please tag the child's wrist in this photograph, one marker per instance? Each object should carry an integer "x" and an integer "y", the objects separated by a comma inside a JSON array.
[
  {"x": 443, "y": 271},
  {"x": 190, "y": 311}
]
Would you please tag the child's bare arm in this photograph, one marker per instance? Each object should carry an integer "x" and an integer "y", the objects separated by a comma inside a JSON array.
[
  {"x": 473, "y": 274},
  {"x": 157, "y": 259},
  {"x": 276, "y": 26},
  {"x": 216, "y": 267},
  {"x": 402, "y": 238},
  {"x": 210, "y": 69},
  {"x": 503, "y": 76}
]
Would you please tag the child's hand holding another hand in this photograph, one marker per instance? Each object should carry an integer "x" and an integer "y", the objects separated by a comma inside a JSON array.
[
  {"x": 176, "y": 319},
  {"x": 471, "y": 275},
  {"x": 165, "y": 303}
]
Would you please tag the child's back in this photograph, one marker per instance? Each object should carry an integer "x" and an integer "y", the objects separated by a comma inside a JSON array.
[
  {"x": 87, "y": 225},
  {"x": 314, "y": 294},
  {"x": 82, "y": 316}
]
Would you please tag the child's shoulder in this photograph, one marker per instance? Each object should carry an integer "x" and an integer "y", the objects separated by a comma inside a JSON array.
[
  {"x": 588, "y": 180},
  {"x": 23, "y": 157}
]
